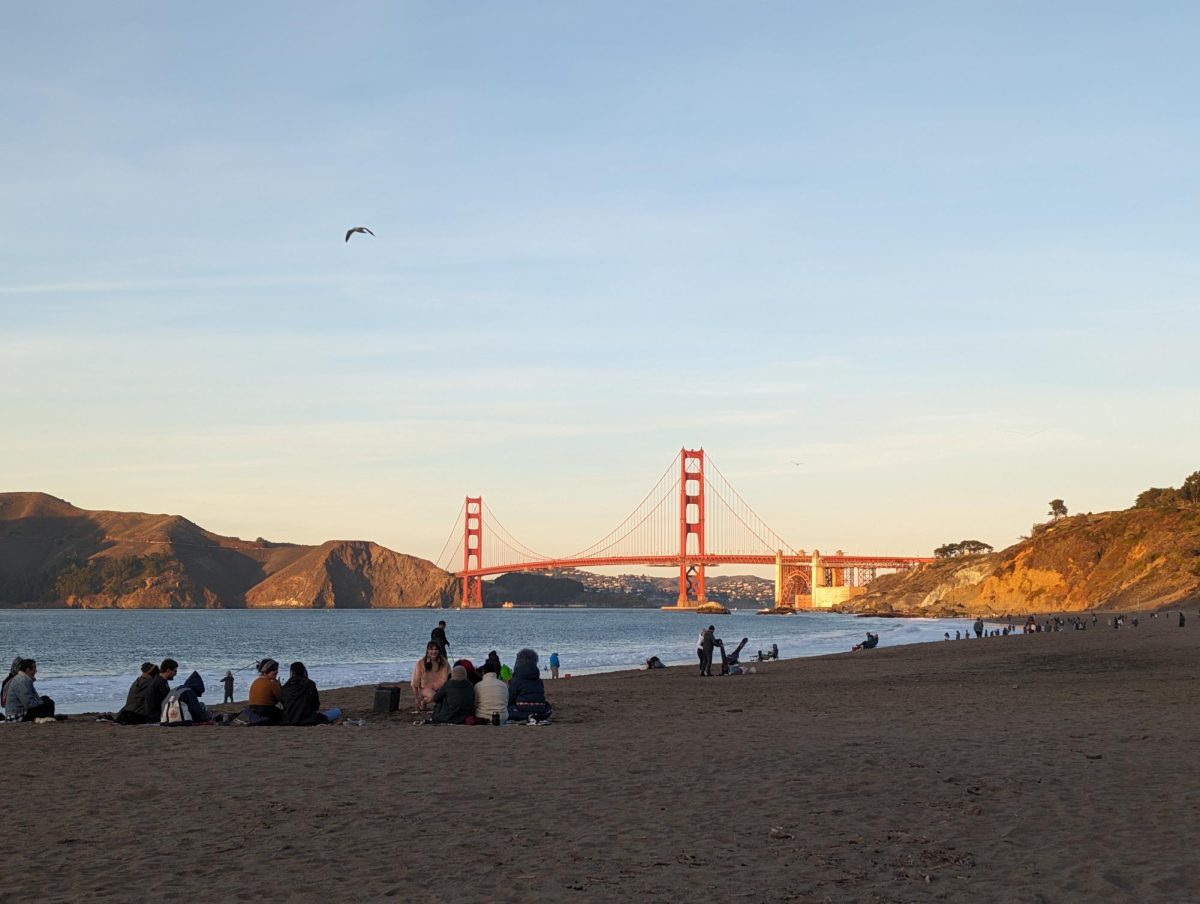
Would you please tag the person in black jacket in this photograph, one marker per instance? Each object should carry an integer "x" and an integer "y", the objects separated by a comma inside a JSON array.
[
  {"x": 526, "y": 693},
  {"x": 438, "y": 636},
  {"x": 707, "y": 641},
  {"x": 132, "y": 713},
  {"x": 158, "y": 688},
  {"x": 454, "y": 701},
  {"x": 302, "y": 703}
]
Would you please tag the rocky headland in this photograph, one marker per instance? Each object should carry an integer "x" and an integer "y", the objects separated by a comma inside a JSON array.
[
  {"x": 1145, "y": 557},
  {"x": 54, "y": 554}
]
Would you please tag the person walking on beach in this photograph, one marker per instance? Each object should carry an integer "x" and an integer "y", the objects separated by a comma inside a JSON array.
[
  {"x": 228, "y": 682},
  {"x": 553, "y": 665},
  {"x": 438, "y": 636},
  {"x": 1181, "y": 618}
]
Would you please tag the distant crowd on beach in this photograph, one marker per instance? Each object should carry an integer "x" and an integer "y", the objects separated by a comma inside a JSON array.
[
  {"x": 1055, "y": 623},
  {"x": 442, "y": 693}
]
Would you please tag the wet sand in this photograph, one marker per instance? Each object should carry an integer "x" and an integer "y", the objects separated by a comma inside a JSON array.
[{"x": 1043, "y": 768}]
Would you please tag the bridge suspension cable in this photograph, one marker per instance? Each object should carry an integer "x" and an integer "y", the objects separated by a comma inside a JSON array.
[
  {"x": 452, "y": 551},
  {"x": 734, "y": 527},
  {"x": 649, "y": 528},
  {"x": 500, "y": 547}
]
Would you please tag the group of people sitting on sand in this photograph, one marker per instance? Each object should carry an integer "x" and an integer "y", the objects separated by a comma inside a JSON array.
[
  {"x": 152, "y": 701},
  {"x": 461, "y": 694}
]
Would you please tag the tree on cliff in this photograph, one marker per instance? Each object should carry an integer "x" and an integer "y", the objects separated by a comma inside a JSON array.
[
  {"x": 1190, "y": 491},
  {"x": 1058, "y": 509},
  {"x": 961, "y": 548}
]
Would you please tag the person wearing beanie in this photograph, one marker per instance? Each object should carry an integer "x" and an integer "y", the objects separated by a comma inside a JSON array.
[
  {"x": 133, "y": 712},
  {"x": 454, "y": 701},
  {"x": 491, "y": 695}
]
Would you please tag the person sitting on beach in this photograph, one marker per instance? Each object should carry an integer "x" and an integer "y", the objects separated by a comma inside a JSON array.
[
  {"x": 655, "y": 663},
  {"x": 493, "y": 659},
  {"x": 526, "y": 693},
  {"x": 157, "y": 690},
  {"x": 491, "y": 695},
  {"x": 133, "y": 712},
  {"x": 182, "y": 705},
  {"x": 302, "y": 702},
  {"x": 22, "y": 702},
  {"x": 429, "y": 674},
  {"x": 870, "y": 643},
  {"x": 12, "y": 673},
  {"x": 454, "y": 701},
  {"x": 473, "y": 674},
  {"x": 266, "y": 695}
]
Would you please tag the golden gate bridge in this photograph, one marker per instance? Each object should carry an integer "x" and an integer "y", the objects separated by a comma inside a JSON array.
[{"x": 692, "y": 519}]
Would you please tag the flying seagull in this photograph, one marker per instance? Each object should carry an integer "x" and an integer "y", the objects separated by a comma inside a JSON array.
[{"x": 350, "y": 232}]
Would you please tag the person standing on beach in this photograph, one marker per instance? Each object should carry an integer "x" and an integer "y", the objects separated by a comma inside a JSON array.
[
  {"x": 553, "y": 665},
  {"x": 707, "y": 642},
  {"x": 700, "y": 651},
  {"x": 438, "y": 636},
  {"x": 228, "y": 682},
  {"x": 978, "y": 628}
]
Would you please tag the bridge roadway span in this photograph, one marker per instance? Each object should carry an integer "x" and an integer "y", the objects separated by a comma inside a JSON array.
[{"x": 674, "y": 561}]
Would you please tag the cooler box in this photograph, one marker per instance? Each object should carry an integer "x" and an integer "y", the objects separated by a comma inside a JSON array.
[{"x": 387, "y": 699}]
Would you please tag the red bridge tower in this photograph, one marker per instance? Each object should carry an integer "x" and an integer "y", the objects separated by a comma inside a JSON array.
[
  {"x": 691, "y": 529},
  {"x": 472, "y": 585}
]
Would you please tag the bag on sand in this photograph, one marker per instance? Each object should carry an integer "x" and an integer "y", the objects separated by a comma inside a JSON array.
[{"x": 174, "y": 710}]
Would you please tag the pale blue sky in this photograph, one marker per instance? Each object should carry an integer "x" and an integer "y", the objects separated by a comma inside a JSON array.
[{"x": 944, "y": 254}]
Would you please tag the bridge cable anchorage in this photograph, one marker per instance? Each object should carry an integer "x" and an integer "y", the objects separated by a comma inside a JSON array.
[
  {"x": 770, "y": 543},
  {"x": 623, "y": 530}
]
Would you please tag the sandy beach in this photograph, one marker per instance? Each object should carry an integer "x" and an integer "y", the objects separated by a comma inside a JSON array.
[{"x": 1043, "y": 768}]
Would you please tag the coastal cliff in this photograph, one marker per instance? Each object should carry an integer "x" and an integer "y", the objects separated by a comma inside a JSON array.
[
  {"x": 1145, "y": 557},
  {"x": 54, "y": 554}
]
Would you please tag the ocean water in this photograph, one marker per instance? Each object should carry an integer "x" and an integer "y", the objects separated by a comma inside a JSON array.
[{"x": 87, "y": 659}]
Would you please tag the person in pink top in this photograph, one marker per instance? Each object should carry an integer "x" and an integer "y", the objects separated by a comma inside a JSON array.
[{"x": 429, "y": 674}]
